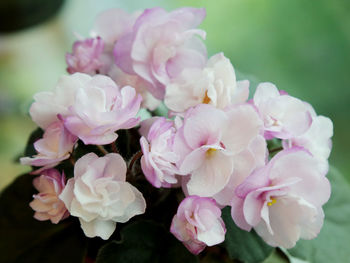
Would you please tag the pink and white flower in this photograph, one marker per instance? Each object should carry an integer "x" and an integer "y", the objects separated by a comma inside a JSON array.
[
  {"x": 198, "y": 223},
  {"x": 92, "y": 108},
  {"x": 251, "y": 158},
  {"x": 316, "y": 140},
  {"x": 49, "y": 104},
  {"x": 99, "y": 195},
  {"x": 101, "y": 108},
  {"x": 158, "y": 162},
  {"x": 160, "y": 45},
  {"x": 112, "y": 24},
  {"x": 284, "y": 116},
  {"x": 140, "y": 85},
  {"x": 208, "y": 142},
  {"x": 86, "y": 56},
  {"x": 283, "y": 200},
  {"x": 46, "y": 204},
  {"x": 56, "y": 145},
  {"x": 215, "y": 85}
]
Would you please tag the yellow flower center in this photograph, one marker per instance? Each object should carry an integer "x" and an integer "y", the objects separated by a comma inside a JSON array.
[
  {"x": 206, "y": 99},
  {"x": 273, "y": 201},
  {"x": 210, "y": 152}
]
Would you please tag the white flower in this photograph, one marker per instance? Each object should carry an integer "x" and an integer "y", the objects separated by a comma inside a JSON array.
[
  {"x": 99, "y": 195},
  {"x": 215, "y": 85},
  {"x": 284, "y": 116}
]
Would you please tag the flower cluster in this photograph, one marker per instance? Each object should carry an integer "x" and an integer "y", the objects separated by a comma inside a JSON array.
[{"x": 265, "y": 157}]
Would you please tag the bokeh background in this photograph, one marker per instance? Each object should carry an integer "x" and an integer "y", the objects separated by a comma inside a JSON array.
[{"x": 301, "y": 46}]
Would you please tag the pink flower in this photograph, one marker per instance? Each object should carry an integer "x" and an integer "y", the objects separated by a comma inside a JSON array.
[
  {"x": 55, "y": 146},
  {"x": 198, "y": 224},
  {"x": 92, "y": 108},
  {"x": 49, "y": 104},
  {"x": 208, "y": 142},
  {"x": 46, "y": 204},
  {"x": 253, "y": 157},
  {"x": 113, "y": 23},
  {"x": 283, "y": 200},
  {"x": 160, "y": 45},
  {"x": 140, "y": 85},
  {"x": 215, "y": 85},
  {"x": 101, "y": 108},
  {"x": 85, "y": 57},
  {"x": 284, "y": 116},
  {"x": 99, "y": 195},
  {"x": 316, "y": 140},
  {"x": 158, "y": 160}
]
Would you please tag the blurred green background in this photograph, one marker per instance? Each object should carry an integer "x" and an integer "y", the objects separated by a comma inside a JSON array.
[{"x": 301, "y": 46}]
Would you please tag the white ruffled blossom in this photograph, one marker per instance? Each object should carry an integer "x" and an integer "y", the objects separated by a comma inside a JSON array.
[
  {"x": 215, "y": 84},
  {"x": 99, "y": 195}
]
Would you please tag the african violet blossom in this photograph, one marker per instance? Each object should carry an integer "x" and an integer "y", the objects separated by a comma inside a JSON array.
[
  {"x": 100, "y": 109},
  {"x": 55, "y": 146},
  {"x": 198, "y": 223},
  {"x": 158, "y": 160},
  {"x": 85, "y": 57},
  {"x": 215, "y": 85},
  {"x": 160, "y": 45},
  {"x": 112, "y": 24},
  {"x": 283, "y": 200},
  {"x": 140, "y": 85},
  {"x": 48, "y": 105},
  {"x": 244, "y": 163},
  {"x": 99, "y": 195},
  {"x": 284, "y": 116},
  {"x": 46, "y": 204},
  {"x": 92, "y": 108},
  {"x": 95, "y": 55},
  {"x": 208, "y": 142},
  {"x": 316, "y": 140}
]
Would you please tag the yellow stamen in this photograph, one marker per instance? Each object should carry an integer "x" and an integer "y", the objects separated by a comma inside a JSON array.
[
  {"x": 206, "y": 99},
  {"x": 273, "y": 201},
  {"x": 210, "y": 152}
]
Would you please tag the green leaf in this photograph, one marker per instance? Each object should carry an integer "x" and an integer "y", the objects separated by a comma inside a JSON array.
[
  {"x": 162, "y": 110},
  {"x": 145, "y": 241},
  {"x": 128, "y": 142},
  {"x": 332, "y": 244},
  {"x": 277, "y": 256},
  {"x": 24, "y": 239},
  {"x": 34, "y": 136},
  {"x": 245, "y": 246},
  {"x": 28, "y": 13}
]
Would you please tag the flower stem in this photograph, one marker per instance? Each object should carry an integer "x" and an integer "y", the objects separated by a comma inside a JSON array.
[
  {"x": 72, "y": 160},
  {"x": 136, "y": 156},
  {"x": 102, "y": 149},
  {"x": 276, "y": 150},
  {"x": 114, "y": 147}
]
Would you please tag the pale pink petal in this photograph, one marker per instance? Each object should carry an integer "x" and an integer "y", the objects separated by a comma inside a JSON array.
[{"x": 103, "y": 229}]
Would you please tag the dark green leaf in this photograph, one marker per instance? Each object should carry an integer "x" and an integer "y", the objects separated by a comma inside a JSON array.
[
  {"x": 145, "y": 241},
  {"x": 20, "y": 14},
  {"x": 333, "y": 242},
  {"x": 128, "y": 142},
  {"x": 277, "y": 256},
  {"x": 24, "y": 239},
  {"x": 245, "y": 246},
  {"x": 35, "y": 135}
]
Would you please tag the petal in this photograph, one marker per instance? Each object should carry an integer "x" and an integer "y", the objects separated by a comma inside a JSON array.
[
  {"x": 215, "y": 235},
  {"x": 212, "y": 176},
  {"x": 244, "y": 125},
  {"x": 97, "y": 227},
  {"x": 265, "y": 91},
  {"x": 204, "y": 125}
]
